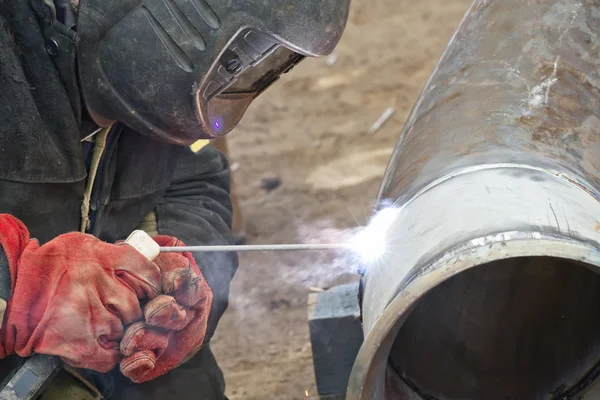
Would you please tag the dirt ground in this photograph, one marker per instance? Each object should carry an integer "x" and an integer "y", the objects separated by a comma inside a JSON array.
[{"x": 311, "y": 131}]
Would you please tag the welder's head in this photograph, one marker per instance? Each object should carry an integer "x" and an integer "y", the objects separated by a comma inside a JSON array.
[{"x": 183, "y": 70}]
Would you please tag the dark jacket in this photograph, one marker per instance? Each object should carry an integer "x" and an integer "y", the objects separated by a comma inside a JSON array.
[{"x": 43, "y": 175}]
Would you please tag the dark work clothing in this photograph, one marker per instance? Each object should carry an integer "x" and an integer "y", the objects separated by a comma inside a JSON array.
[
  {"x": 199, "y": 379},
  {"x": 43, "y": 177}
]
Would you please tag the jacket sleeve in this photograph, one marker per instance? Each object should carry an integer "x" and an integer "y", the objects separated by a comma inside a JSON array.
[{"x": 197, "y": 209}]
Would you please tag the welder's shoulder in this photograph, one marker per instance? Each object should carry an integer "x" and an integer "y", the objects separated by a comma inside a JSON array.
[{"x": 37, "y": 124}]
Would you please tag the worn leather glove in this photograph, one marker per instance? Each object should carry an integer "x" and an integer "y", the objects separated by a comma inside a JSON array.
[
  {"x": 73, "y": 296},
  {"x": 175, "y": 322}
]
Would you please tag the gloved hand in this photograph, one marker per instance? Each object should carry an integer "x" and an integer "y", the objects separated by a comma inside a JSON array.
[
  {"x": 175, "y": 322},
  {"x": 73, "y": 296}
]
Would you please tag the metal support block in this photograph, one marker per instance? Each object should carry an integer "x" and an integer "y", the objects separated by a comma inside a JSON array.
[{"x": 336, "y": 336}]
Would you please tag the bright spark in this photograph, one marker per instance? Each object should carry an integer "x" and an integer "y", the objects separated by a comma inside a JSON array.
[{"x": 370, "y": 243}]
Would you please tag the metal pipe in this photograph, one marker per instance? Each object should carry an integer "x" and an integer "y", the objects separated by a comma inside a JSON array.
[
  {"x": 258, "y": 247},
  {"x": 482, "y": 292}
]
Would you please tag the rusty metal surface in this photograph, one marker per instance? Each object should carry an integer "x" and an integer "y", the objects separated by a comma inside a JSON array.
[
  {"x": 499, "y": 159},
  {"x": 518, "y": 83}
]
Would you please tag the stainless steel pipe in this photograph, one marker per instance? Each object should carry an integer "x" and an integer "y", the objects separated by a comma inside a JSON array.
[{"x": 489, "y": 287}]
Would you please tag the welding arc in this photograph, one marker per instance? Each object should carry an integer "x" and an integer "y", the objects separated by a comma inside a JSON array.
[{"x": 257, "y": 247}]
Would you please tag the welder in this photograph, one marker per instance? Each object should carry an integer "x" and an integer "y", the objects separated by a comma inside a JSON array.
[{"x": 100, "y": 102}]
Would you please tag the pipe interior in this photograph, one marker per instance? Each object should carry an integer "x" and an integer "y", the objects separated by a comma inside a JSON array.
[{"x": 517, "y": 329}]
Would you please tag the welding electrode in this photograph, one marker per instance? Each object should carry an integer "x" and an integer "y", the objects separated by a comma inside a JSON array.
[
  {"x": 149, "y": 248},
  {"x": 257, "y": 247}
]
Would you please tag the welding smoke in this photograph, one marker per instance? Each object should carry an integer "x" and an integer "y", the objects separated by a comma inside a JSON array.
[{"x": 325, "y": 268}]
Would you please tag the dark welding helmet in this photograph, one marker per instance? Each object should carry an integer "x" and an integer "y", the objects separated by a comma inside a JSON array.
[{"x": 183, "y": 70}]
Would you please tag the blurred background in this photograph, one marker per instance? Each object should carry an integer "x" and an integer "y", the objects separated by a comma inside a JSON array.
[{"x": 308, "y": 158}]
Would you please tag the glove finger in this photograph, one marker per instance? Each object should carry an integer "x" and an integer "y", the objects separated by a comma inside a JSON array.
[
  {"x": 122, "y": 303},
  {"x": 171, "y": 261},
  {"x": 140, "y": 274},
  {"x": 164, "y": 312},
  {"x": 185, "y": 285},
  {"x": 103, "y": 360},
  {"x": 138, "y": 365},
  {"x": 140, "y": 336}
]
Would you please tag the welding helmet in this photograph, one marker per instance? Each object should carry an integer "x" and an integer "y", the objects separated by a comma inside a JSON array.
[{"x": 183, "y": 70}]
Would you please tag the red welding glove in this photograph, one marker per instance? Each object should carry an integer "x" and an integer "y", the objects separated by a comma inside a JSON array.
[
  {"x": 175, "y": 322},
  {"x": 73, "y": 296}
]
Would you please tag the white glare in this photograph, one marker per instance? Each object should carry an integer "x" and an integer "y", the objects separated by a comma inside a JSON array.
[{"x": 370, "y": 243}]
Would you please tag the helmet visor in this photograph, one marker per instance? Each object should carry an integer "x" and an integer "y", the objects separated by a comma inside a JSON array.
[{"x": 225, "y": 107}]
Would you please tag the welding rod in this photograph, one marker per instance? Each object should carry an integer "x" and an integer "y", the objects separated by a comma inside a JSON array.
[{"x": 257, "y": 247}]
